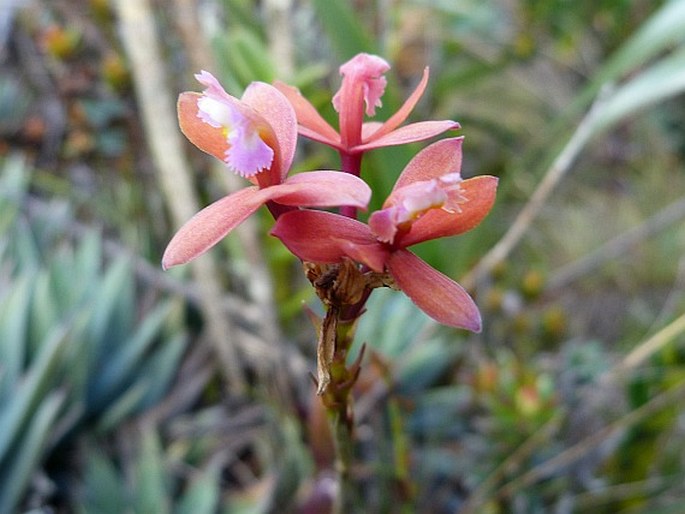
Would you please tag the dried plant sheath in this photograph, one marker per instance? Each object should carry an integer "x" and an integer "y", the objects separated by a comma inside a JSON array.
[{"x": 325, "y": 349}]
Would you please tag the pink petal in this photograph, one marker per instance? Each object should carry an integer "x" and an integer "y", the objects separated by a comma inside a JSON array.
[
  {"x": 479, "y": 193},
  {"x": 434, "y": 293},
  {"x": 316, "y": 136},
  {"x": 409, "y": 134},
  {"x": 369, "y": 128},
  {"x": 248, "y": 154},
  {"x": 207, "y": 138},
  {"x": 276, "y": 109},
  {"x": 228, "y": 129},
  {"x": 363, "y": 83},
  {"x": 350, "y": 100},
  {"x": 318, "y": 236},
  {"x": 405, "y": 206},
  {"x": 211, "y": 224},
  {"x": 384, "y": 223},
  {"x": 312, "y": 124},
  {"x": 365, "y": 71},
  {"x": 434, "y": 161},
  {"x": 323, "y": 189},
  {"x": 401, "y": 115},
  {"x": 214, "y": 88}
]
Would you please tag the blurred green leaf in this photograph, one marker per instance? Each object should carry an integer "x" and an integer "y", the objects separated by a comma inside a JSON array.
[
  {"x": 151, "y": 493},
  {"x": 17, "y": 472},
  {"x": 343, "y": 28},
  {"x": 425, "y": 363},
  {"x": 122, "y": 405},
  {"x": 202, "y": 496},
  {"x": 391, "y": 324},
  {"x": 14, "y": 316},
  {"x": 119, "y": 367},
  {"x": 243, "y": 58},
  {"x": 161, "y": 367},
  {"x": 14, "y": 181},
  {"x": 661, "y": 80},
  {"x": 659, "y": 32},
  {"x": 111, "y": 317},
  {"x": 103, "y": 488},
  {"x": 15, "y": 102},
  {"x": 28, "y": 392},
  {"x": 437, "y": 411}
]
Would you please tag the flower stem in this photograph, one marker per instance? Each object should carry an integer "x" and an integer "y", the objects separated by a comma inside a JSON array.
[
  {"x": 337, "y": 398},
  {"x": 344, "y": 290},
  {"x": 343, "y": 439},
  {"x": 351, "y": 163}
]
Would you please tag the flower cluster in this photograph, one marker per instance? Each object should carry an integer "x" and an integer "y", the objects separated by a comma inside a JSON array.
[{"x": 256, "y": 135}]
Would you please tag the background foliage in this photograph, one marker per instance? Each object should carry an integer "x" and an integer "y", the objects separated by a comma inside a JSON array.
[{"x": 112, "y": 398}]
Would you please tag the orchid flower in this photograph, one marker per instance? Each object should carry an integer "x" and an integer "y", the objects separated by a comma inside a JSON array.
[
  {"x": 429, "y": 200},
  {"x": 363, "y": 85},
  {"x": 255, "y": 137}
]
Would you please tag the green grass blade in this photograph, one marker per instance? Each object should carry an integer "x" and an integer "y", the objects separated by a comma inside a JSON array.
[
  {"x": 662, "y": 80},
  {"x": 658, "y": 33},
  {"x": 662, "y": 30}
]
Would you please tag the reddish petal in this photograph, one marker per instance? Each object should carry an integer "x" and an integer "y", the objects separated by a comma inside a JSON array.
[
  {"x": 401, "y": 115},
  {"x": 207, "y": 138},
  {"x": 315, "y": 136},
  {"x": 308, "y": 117},
  {"x": 211, "y": 224},
  {"x": 432, "y": 162},
  {"x": 323, "y": 189},
  {"x": 319, "y": 236},
  {"x": 434, "y": 293},
  {"x": 276, "y": 109},
  {"x": 480, "y": 196},
  {"x": 409, "y": 134},
  {"x": 373, "y": 254}
]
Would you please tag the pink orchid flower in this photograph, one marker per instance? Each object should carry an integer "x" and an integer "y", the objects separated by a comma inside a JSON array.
[
  {"x": 363, "y": 85},
  {"x": 255, "y": 137},
  {"x": 429, "y": 200}
]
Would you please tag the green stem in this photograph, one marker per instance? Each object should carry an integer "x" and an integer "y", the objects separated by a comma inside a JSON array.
[
  {"x": 338, "y": 401},
  {"x": 344, "y": 289},
  {"x": 343, "y": 439}
]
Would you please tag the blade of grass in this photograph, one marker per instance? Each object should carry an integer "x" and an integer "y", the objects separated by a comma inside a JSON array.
[
  {"x": 646, "y": 349},
  {"x": 660, "y": 81}
]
